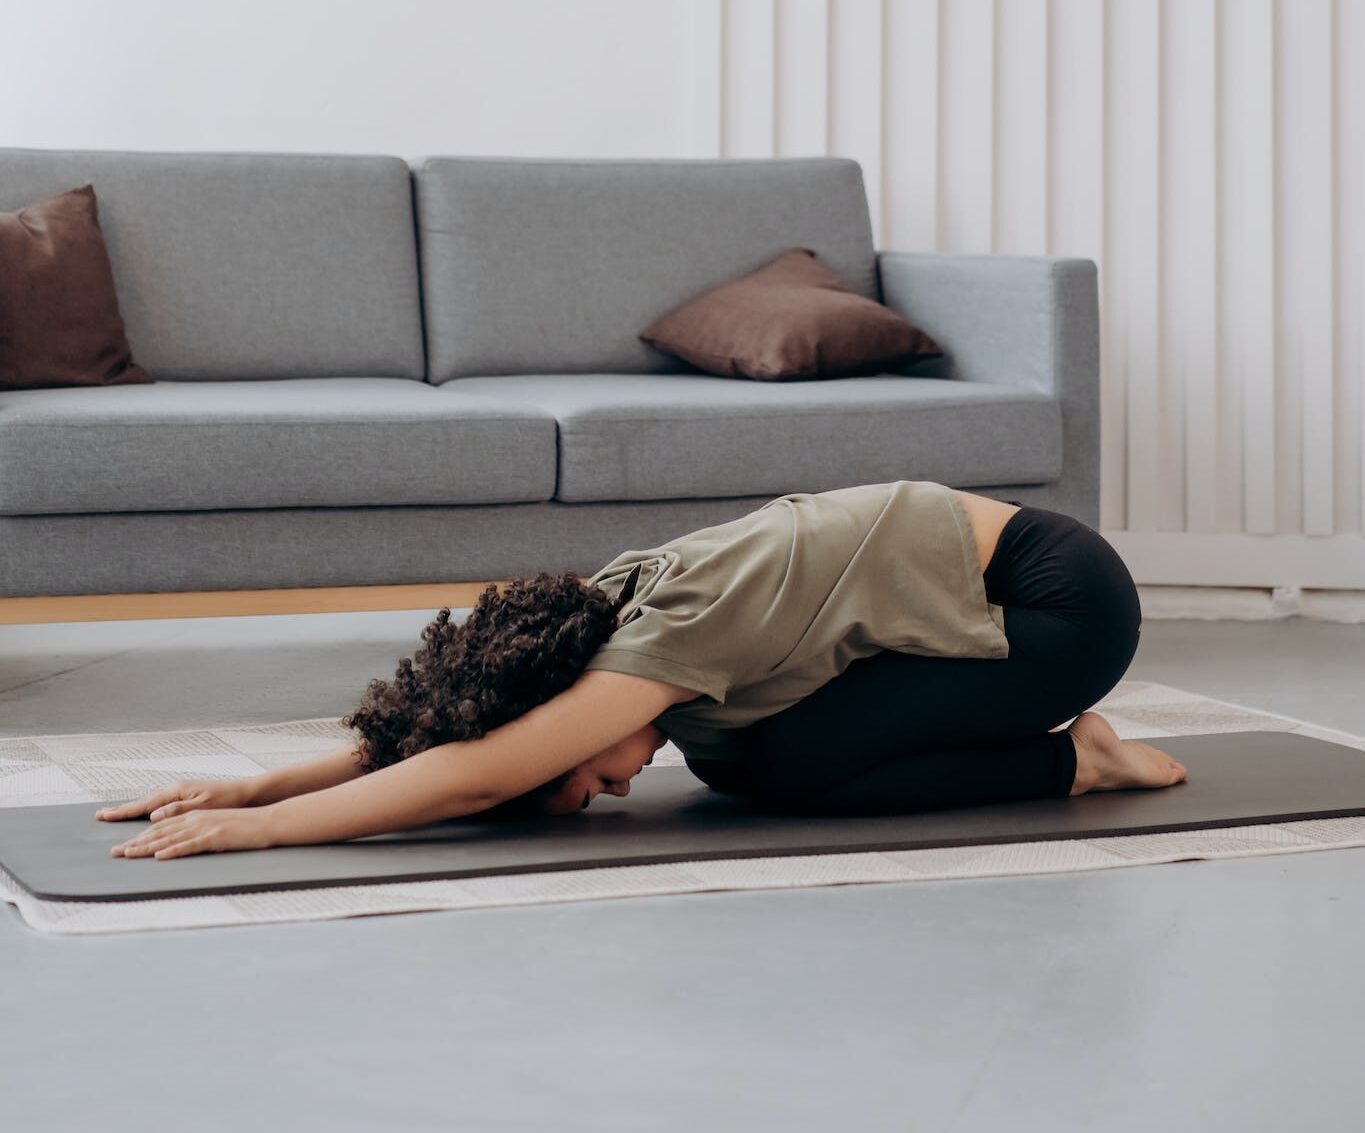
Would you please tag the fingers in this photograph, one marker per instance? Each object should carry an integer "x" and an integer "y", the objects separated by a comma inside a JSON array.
[
  {"x": 178, "y": 846},
  {"x": 182, "y": 845},
  {"x": 141, "y": 845},
  {"x": 140, "y": 806},
  {"x": 151, "y": 839},
  {"x": 166, "y": 844},
  {"x": 171, "y": 838},
  {"x": 182, "y": 849},
  {"x": 170, "y": 800},
  {"x": 174, "y": 807}
]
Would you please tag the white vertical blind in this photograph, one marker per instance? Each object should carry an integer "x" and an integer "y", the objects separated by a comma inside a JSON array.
[
  {"x": 966, "y": 131},
  {"x": 802, "y": 63},
  {"x": 1349, "y": 222},
  {"x": 1246, "y": 247},
  {"x": 1021, "y": 130},
  {"x": 855, "y": 92},
  {"x": 1131, "y": 382},
  {"x": 1189, "y": 263},
  {"x": 1209, "y": 155},
  {"x": 1304, "y": 276},
  {"x": 749, "y": 125},
  {"x": 910, "y": 130}
]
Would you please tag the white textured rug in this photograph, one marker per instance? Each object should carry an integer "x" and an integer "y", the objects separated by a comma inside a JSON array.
[{"x": 45, "y": 770}]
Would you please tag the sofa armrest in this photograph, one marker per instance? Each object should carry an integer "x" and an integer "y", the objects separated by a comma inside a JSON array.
[{"x": 1030, "y": 321}]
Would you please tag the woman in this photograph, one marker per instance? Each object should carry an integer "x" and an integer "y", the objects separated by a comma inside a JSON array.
[{"x": 876, "y": 649}]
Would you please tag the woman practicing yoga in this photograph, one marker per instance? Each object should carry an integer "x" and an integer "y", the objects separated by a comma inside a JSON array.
[{"x": 877, "y": 649}]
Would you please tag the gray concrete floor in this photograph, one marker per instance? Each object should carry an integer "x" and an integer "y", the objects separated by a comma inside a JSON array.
[{"x": 1186, "y": 996}]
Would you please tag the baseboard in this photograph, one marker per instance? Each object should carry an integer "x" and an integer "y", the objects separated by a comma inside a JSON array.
[
  {"x": 1218, "y": 576},
  {"x": 1251, "y": 604},
  {"x": 1228, "y": 559}
]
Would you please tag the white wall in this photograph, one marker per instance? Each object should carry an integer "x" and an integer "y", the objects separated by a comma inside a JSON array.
[
  {"x": 1208, "y": 154},
  {"x": 602, "y": 78}
]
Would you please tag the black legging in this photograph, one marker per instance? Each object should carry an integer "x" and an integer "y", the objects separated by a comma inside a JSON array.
[{"x": 898, "y": 732}]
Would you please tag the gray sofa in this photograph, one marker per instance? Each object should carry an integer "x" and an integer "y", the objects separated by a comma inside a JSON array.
[{"x": 376, "y": 372}]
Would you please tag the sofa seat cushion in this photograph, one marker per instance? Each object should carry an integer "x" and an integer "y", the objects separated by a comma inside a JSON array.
[
  {"x": 679, "y": 436},
  {"x": 297, "y": 442}
]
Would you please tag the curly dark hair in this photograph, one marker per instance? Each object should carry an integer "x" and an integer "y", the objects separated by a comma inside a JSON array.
[{"x": 514, "y": 651}]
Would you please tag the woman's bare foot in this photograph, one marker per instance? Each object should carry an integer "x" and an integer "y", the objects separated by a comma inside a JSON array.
[{"x": 1106, "y": 763}]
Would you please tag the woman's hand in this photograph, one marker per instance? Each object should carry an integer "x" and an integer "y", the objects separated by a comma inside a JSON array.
[
  {"x": 188, "y": 794},
  {"x": 201, "y": 831}
]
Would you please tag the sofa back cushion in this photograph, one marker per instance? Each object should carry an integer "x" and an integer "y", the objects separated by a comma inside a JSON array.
[
  {"x": 249, "y": 265},
  {"x": 547, "y": 265}
]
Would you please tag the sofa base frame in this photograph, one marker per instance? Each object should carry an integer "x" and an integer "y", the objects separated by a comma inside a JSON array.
[{"x": 240, "y": 603}]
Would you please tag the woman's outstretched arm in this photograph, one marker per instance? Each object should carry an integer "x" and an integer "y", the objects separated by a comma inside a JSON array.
[
  {"x": 338, "y": 766},
  {"x": 600, "y": 709}
]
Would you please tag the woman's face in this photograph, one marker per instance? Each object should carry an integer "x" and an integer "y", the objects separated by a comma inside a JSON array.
[{"x": 610, "y": 771}]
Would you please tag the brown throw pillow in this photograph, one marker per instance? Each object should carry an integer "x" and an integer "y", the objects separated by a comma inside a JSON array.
[
  {"x": 793, "y": 318},
  {"x": 59, "y": 318}
]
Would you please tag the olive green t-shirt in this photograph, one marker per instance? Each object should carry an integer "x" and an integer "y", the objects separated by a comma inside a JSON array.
[{"x": 759, "y": 612}]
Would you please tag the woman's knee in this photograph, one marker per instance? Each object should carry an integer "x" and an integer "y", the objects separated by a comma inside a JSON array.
[
  {"x": 1122, "y": 610},
  {"x": 1064, "y": 663},
  {"x": 1107, "y": 593},
  {"x": 1115, "y": 633}
]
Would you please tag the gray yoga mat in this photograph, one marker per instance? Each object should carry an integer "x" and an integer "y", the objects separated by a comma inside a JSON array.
[{"x": 61, "y": 853}]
